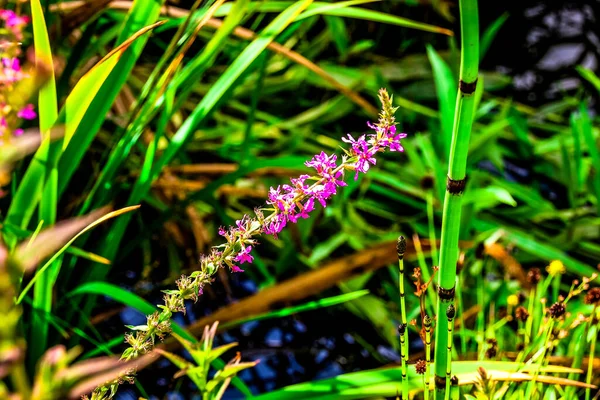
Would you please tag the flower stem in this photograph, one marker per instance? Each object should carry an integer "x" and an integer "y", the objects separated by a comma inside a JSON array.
[{"x": 463, "y": 121}]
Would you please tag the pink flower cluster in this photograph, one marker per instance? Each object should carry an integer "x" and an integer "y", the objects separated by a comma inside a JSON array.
[
  {"x": 291, "y": 202},
  {"x": 10, "y": 74}
]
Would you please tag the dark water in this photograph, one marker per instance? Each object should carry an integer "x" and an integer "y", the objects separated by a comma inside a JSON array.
[{"x": 540, "y": 45}]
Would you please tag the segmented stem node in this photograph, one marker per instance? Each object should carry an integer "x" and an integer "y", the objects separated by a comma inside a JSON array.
[
  {"x": 401, "y": 329},
  {"x": 450, "y": 311},
  {"x": 401, "y": 247}
]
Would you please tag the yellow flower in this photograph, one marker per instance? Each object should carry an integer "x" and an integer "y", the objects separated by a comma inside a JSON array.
[
  {"x": 555, "y": 267},
  {"x": 513, "y": 300}
]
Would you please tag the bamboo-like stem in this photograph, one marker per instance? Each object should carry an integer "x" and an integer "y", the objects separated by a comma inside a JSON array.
[
  {"x": 401, "y": 248},
  {"x": 427, "y": 323},
  {"x": 463, "y": 121},
  {"x": 450, "y": 312}
]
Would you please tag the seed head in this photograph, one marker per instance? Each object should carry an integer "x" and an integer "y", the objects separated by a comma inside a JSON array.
[
  {"x": 421, "y": 367},
  {"x": 557, "y": 310},
  {"x": 534, "y": 276},
  {"x": 492, "y": 350},
  {"x": 521, "y": 313},
  {"x": 592, "y": 296}
]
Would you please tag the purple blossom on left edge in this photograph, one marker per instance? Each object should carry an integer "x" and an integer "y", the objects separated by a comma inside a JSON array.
[{"x": 11, "y": 73}]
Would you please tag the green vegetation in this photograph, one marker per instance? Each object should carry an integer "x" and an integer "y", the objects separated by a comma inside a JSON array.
[{"x": 146, "y": 152}]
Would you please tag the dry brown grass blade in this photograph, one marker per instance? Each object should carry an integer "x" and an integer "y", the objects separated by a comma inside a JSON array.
[
  {"x": 30, "y": 253},
  {"x": 472, "y": 378},
  {"x": 247, "y": 34},
  {"x": 114, "y": 368}
]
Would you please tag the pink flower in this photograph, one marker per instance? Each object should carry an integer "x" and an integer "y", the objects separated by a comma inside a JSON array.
[
  {"x": 392, "y": 140},
  {"x": 10, "y": 71},
  {"x": 27, "y": 112},
  {"x": 14, "y": 22},
  {"x": 244, "y": 255},
  {"x": 235, "y": 268}
]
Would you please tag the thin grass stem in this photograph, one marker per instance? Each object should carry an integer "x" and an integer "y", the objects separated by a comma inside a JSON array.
[{"x": 401, "y": 247}]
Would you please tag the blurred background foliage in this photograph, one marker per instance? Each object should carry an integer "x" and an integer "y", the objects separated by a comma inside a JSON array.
[{"x": 225, "y": 99}]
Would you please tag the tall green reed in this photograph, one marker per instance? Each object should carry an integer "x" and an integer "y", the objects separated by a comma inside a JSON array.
[{"x": 456, "y": 181}]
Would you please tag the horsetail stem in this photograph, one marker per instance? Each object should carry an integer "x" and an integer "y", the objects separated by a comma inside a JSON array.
[
  {"x": 402, "y": 331},
  {"x": 463, "y": 121},
  {"x": 450, "y": 313},
  {"x": 454, "y": 389},
  {"x": 401, "y": 248},
  {"x": 427, "y": 323}
]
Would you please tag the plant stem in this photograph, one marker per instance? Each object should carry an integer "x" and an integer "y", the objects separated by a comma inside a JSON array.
[
  {"x": 401, "y": 247},
  {"x": 450, "y": 313},
  {"x": 463, "y": 121},
  {"x": 427, "y": 323}
]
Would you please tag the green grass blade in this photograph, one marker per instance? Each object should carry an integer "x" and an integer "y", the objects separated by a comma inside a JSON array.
[
  {"x": 490, "y": 33},
  {"x": 48, "y": 113},
  {"x": 589, "y": 76},
  {"x": 226, "y": 81},
  {"x": 445, "y": 86},
  {"x": 311, "y": 305},
  {"x": 592, "y": 147},
  {"x": 201, "y": 112},
  {"x": 41, "y": 271},
  {"x": 376, "y": 16},
  {"x": 142, "y": 13}
]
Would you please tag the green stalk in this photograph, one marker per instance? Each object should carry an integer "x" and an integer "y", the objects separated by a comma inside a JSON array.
[
  {"x": 450, "y": 312},
  {"x": 401, "y": 247},
  {"x": 463, "y": 121},
  {"x": 427, "y": 323}
]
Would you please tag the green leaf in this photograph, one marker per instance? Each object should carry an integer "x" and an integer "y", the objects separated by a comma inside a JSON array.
[
  {"x": 23, "y": 256},
  {"x": 446, "y": 89},
  {"x": 490, "y": 33},
  {"x": 311, "y": 305},
  {"x": 374, "y": 16},
  {"x": 49, "y": 153},
  {"x": 126, "y": 298},
  {"x": 589, "y": 76},
  {"x": 488, "y": 197},
  {"x": 142, "y": 14}
]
